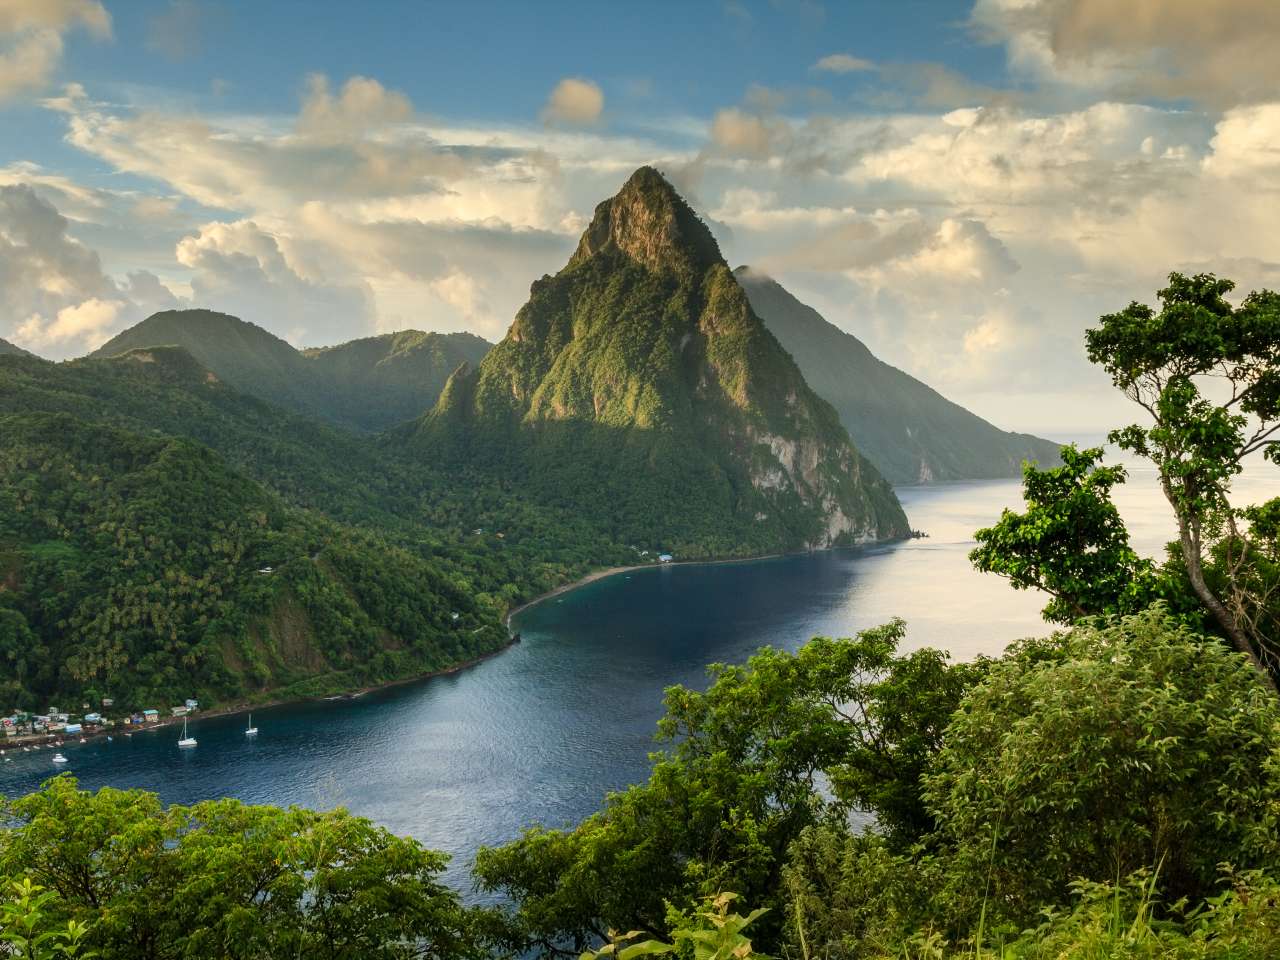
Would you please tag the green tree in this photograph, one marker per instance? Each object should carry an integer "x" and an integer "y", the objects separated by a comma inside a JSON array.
[
  {"x": 737, "y": 785},
  {"x": 1071, "y": 542},
  {"x": 222, "y": 879},
  {"x": 1098, "y": 752},
  {"x": 1164, "y": 362}
]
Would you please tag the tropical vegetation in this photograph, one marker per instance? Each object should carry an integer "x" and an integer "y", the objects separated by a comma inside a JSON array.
[{"x": 1111, "y": 790}]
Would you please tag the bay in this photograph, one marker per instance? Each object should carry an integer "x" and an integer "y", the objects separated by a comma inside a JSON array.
[{"x": 541, "y": 732}]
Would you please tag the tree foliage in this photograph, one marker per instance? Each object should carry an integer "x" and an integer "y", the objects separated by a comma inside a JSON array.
[
  {"x": 736, "y": 787},
  {"x": 222, "y": 879},
  {"x": 1164, "y": 361}
]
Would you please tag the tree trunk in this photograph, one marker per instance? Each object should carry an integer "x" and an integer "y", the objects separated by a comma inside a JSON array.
[{"x": 1195, "y": 573}]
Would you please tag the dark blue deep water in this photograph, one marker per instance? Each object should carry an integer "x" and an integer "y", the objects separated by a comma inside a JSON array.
[{"x": 542, "y": 731}]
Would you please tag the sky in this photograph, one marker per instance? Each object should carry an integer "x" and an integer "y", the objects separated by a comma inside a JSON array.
[{"x": 965, "y": 186}]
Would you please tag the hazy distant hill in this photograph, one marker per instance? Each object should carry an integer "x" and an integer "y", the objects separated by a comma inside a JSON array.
[
  {"x": 7, "y": 349},
  {"x": 242, "y": 354},
  {"x": 368, "y": 384},
  {"x": 638, "y": 387},
  {"x": 376, "y": 382},
  {"x": 911, "y": 432}
]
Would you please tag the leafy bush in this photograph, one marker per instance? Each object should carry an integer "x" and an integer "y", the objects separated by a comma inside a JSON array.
[{"x": 1127, "y": 744}]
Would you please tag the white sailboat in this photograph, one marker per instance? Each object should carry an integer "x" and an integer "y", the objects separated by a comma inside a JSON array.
[
  {"x": 186, "y": 741},
  {"x": 251, "y": 730},
  {"x": 59, "y": 758}
]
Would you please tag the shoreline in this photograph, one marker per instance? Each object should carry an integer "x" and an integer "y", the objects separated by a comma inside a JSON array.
[
  {"x": 41, "y": 741},
  {"x": 49, "y": 740},
  {"x": 606, "y": 572}
]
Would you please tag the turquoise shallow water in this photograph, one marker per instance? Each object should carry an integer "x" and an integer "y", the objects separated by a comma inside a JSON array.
[{"x": 541, "y": 732}]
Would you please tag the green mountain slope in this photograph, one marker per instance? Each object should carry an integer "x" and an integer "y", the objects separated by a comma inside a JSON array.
[
  {"x": 638, "y": 388},
  {"x": 369, "y": 384},
  {"x": 7, "y": 349},
  {"x": 239, "y": 353},
  {"x": 376, "y": 382},
  {"x": 346, "y": 477},
  {"x": 133, "y": 567},
  {"x": 360, "y": 499},
  {"x": 911, "y": 432}
]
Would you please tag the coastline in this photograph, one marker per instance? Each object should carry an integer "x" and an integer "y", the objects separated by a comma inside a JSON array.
[
  {"x": 606, "y": 572},
  {"x": 48, "y": 740},
  {"x": 592, "y": 577}
]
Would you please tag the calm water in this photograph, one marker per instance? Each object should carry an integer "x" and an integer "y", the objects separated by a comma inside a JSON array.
[{"x": 542, "y": 731}]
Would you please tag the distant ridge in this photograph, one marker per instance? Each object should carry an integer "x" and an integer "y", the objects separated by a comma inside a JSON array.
[
  {"x": 638, "y": 389},
  {"x": 7, "y": 349},
  {"x": 242, "y": 354},
  {"x": 911, "y": 432},
  {"x": 368, "y": 384},
  {"x": 376, "y": 382}
]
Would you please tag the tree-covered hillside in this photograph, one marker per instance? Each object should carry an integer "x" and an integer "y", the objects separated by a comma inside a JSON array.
[
  {"x": 239, "y": 353},
  {"x": 377, "y": 382},
  {"x": 144, "y": 569},
  {"x": 369, "y": 384},
  {"x": 7, "y": 349},
  {"x": 910, "y": 432},
  {"x": 637, "y": 388},
  {"x": 320, "y": 476}
]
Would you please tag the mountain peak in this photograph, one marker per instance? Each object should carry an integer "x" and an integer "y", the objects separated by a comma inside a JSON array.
[{"x": 648, "y": 221}]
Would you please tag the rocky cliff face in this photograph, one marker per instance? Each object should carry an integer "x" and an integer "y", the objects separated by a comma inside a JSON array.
[
  {"x": 643, "y": 361},
  {"x": 908, "y": 430}
]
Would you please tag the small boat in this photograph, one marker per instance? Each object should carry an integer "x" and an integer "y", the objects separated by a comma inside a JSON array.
[
  {"x": 59, "y": 758},
  {"x": 186, "y": 741},
  {"x": 251, "y": 730}
]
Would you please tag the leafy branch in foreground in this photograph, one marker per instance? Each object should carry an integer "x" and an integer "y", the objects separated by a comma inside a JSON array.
[
  {"x": 711, "y": 933},
  {"x": 1071, "y": 542},
  {"x": 1208, "y": 376},
  {"x": 27, "y": 930},
  {"x": 1173, "y": 364}
]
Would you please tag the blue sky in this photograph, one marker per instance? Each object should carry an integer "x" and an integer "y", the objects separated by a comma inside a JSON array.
[
  {"x": 495, "y": 61},
  {"x": 963, "y": 185}
]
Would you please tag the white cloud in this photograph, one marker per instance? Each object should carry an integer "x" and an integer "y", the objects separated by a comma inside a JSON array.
[
  {"x": 31, "y": 38},
  {"x": 1222, "y": 53},
  {"x": 241, "y": 269},
  {"x": 739, "y": 133},
  {"x": 87, "y": 325},
  {"x": 1246, "y": 143},
  {"x": 342, "y": 148},
  {"x": 574, "y": 100},
  {"x": 363, "y": 105},
  {"x": 843, "y": 63},
  {"x": 53, "y": 291}
]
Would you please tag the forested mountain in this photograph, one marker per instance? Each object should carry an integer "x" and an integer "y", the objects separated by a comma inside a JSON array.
[
  {"x": 376, "y": 382},
  {"x": 152, "y": 441},
  {"x": 638, "y": 387},
  {"x": 143, "y": 568},
  {"x": 7, "y": 349},
  {"x": 368, "y": 384},
  {"x": 239, "y": 353},
  {"x": 910, "y": 432}
]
